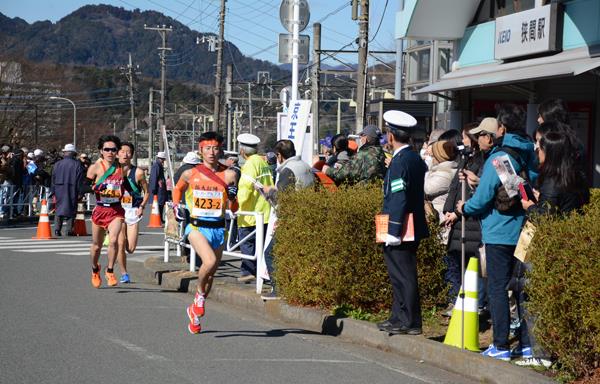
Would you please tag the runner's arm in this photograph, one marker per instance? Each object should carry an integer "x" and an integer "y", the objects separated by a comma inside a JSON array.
[
  {"x": 181, "y": 187},
  {"x": 141, "y": 180}
]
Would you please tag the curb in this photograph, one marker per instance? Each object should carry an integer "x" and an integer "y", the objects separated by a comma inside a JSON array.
[{"x": 175, "y": 275}]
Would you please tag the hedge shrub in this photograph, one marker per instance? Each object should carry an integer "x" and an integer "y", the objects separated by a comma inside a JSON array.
[
  {"x": 326, "y": 256},
  {"x": 564, "y": 288}
]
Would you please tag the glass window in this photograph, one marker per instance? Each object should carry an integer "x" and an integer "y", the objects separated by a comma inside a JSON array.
[
  {"x": 445, "y": 61},
  {"x": 423, "y": 60}
]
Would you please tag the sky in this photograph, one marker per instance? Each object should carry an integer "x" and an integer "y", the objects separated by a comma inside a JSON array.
[{"x": 252, "y": 25}]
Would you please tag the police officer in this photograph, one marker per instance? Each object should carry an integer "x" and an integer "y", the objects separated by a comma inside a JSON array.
[
  {"x": 403, "y": 199},
  {"x": 255, "y": 173}
]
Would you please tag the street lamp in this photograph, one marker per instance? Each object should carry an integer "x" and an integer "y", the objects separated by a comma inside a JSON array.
[{"x": 74, "y": 116}]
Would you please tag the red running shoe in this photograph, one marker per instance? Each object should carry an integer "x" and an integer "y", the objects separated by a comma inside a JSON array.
[
  {"x": 198, "y": 306},
  {"x": 194, "y": 326}
]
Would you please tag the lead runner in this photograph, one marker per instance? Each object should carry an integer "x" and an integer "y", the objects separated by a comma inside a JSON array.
[{"x": 205, "y": 188}]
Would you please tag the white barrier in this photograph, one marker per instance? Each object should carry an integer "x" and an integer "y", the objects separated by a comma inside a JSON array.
[
  {"x": 229, "y": 248},
  {"x": 13, "y": 198}
]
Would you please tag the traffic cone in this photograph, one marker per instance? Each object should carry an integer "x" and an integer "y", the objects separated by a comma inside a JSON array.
[
  {"x": 454, "y": 335},
  {"x": 155, "y": 215},
  {"x": 44, "y": 232},
  {"x": 79, "y": 228}
]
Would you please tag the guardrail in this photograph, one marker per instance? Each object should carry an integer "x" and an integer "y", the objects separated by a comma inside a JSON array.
[
  {"x": 16, "y": 199},
  {"x": 230, "y": 249}
]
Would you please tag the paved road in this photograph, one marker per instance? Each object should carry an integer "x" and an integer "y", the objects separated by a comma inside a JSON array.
[{"x": 55, "y": 328}]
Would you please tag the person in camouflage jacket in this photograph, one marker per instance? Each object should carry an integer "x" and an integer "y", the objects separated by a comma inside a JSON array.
[{"x": 367, "y": 165}]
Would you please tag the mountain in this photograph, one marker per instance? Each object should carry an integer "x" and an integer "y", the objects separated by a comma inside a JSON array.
[{"x": 103, "y": 35}]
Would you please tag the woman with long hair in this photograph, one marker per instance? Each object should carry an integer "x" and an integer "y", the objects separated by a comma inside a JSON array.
[{"x": 562, "y": 187}]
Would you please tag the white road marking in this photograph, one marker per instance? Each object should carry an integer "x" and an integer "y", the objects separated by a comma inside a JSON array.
[
  {"x": 326, "y": 361},
  {"x": 88, "y": 252}
]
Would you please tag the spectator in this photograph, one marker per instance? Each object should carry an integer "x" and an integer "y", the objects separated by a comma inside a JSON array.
[
  {"x": 18, "y": 165},
  {"x": 254, "y": 172},
  {"x": 292, "y": 172},
  {"x": 272, "y": 161},
  {"x": 562, "y": 189},
  {"x": 40, "y": 179},
  {"x": 190, "y": 160},
  {"x": 440, "y": 175},
  {"x": 67, "y": 177},
  {"x": 339, "y": 151},
  {"x": 367, "y": 165},
  {"x": 158, "y": 184},
  {"x": 6, "y": 177},
  {"x": 425, "y": 151},
  {"x": 553, "y": 110},
  {"x": 500, "y": 230},
  {"x": 472, "y": 160}
]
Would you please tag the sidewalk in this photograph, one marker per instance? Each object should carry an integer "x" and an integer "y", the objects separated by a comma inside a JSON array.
[{"x": 175, "y": 275}]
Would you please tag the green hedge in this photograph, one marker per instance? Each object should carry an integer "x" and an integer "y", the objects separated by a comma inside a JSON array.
[
  {"x": 326, "y": 256},
  {"x": 564, "y": 288}
]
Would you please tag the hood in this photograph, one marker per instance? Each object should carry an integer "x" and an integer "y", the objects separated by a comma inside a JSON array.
[{"x": 522, "y": 143}]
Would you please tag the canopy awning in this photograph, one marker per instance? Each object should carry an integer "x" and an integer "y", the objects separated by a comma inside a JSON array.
[
  {"x": 567, "y": 63},
  {"x": 435, "y": 19}
]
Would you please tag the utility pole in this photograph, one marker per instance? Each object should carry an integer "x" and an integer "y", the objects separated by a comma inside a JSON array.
[
  {"x": 163, "y": 69},
  {"x": 217, "y": 107},
  {"x": 250, "y": 122},
  {"x": 150, "y": 126},
  {"x": 315, "y": 84},
  {"x": 228, "y": 80},
  {"x": 361, "y": 71},
  {"x": 130, "y": 74}
]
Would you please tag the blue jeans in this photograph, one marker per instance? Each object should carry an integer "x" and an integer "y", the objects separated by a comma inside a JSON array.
[
  {"x": 248, "y": 248},
  {"x": 269, "y": 262},
  {"x": 500, "y": 261}
]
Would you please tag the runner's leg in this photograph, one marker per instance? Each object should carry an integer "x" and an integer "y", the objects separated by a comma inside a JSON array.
[
  {"x": 114, "y": 230},
  {"x": 208, "y": 257},
  {"x": 122, "y": 244},
  {"x": 132, "y": 237},
  {"x": 97, "y": 238}
]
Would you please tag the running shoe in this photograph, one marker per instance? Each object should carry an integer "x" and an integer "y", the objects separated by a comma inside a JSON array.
[
  {"x": 496, "y": 353},
  {"x": 194, "y": 326},
  {"x": 519, "y": 351},
  {"x": 96, "y": 279},
  {"x": 110, "y": 278},
  {"x": 125, "y": 279},
  {"x": 534, "y": 362},
  {"x": 197, "y": 307}
]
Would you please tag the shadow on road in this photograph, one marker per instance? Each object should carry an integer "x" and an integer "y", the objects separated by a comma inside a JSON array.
[{"x": 269, "y": 333}]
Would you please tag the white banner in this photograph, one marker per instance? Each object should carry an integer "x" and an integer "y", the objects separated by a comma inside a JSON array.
[{"x": 293, "y": 126}]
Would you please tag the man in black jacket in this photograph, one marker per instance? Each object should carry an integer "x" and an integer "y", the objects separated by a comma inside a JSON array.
[{"x": 403, "y": 202}]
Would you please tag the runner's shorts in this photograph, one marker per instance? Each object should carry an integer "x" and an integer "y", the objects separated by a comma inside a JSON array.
[
  {"x": 214, "y": 236},
  {"x": 103, "y": 216}
]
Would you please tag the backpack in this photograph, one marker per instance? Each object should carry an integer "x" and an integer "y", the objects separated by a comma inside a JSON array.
[{"x": 502, "y": 202}]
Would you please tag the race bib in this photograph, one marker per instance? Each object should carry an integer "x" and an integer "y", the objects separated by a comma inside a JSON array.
[
  {"x": 207, "y": 203},
  {"x": 127, "y": 201},
  {"x": 112, "y": 194}
]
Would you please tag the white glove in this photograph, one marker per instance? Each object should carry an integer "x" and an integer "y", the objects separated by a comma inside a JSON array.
[{"x": 392, "y": 240}]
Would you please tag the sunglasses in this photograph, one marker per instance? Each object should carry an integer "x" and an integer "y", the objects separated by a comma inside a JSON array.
[{"x": 112, "y": 149}]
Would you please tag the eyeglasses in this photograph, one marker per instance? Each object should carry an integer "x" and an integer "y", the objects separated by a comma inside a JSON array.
[{"x": 112, "y": 149}]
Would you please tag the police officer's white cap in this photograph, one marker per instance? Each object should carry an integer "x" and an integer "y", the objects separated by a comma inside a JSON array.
[
  {"x": 399, "y": 119},
  {"x": 230, "y": 154},
  {"x": 69, "y": 148},
  {"x": 248, "y": 139}
]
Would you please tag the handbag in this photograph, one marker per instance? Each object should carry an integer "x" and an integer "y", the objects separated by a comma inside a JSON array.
[{"x": 524, "y": 241}]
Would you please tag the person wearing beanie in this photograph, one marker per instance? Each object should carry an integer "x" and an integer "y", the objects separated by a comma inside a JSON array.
[{"x": 439, "y": 177}]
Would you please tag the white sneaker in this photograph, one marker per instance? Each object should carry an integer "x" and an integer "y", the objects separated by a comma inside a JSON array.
[{"x": 534, "y": 362}]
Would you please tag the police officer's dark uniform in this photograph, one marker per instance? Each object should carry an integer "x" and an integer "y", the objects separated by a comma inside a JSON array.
[{"x": 403, "y": 194}]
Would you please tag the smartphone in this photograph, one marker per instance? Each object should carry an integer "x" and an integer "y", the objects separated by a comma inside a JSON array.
[{"x": 527, "y": 192}]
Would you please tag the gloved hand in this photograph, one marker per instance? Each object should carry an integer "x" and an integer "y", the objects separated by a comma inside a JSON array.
[
  {"x": 179, "y": 214},
  {"x": 232, "y": 191},
  {"x": 392, "y": 240},
  {"x": 99, "y": 188}
]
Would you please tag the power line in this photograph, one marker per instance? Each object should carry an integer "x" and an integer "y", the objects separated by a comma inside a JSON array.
[{"x": 380, "y": 21}]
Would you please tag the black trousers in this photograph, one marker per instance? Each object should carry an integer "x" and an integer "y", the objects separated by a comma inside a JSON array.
[{"x": 401, "y": 261}]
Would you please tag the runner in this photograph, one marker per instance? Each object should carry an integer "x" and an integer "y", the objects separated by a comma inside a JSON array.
[
  {"x": 133, "y": 204},
  {"x": 108, "y": 184},
  {"x": 205, "y": 188}
]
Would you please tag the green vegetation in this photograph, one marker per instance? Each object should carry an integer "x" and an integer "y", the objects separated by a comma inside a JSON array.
[
  {"x": 326, "y": 255},
  {"x": 564, "y": 289}
]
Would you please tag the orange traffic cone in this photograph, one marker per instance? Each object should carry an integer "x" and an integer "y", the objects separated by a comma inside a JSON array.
[
  {"x": 79, "y": 228},
  {"x": 44, "y": 232},
  {"x": 155, "y": 221}
]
